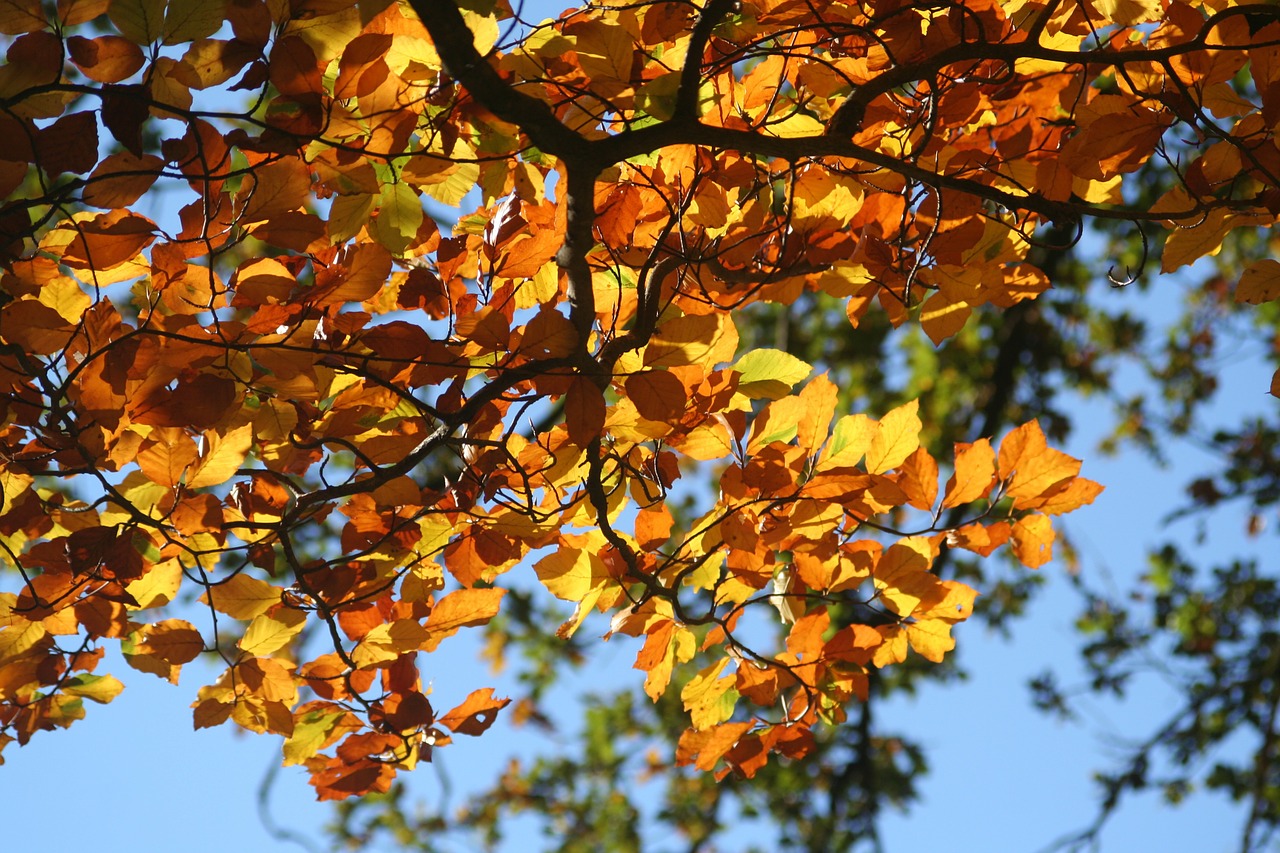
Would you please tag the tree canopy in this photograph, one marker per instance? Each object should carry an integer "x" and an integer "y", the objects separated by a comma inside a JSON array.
[{"x": 331, "y": 329}]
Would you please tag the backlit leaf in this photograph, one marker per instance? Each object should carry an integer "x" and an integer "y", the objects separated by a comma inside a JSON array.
[
  {"x": 270, "y": 632},
  {"x": 769, "y": 373},
  {"x": 896, "y": 438}
]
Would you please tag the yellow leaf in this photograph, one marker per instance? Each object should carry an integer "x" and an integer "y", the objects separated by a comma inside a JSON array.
[
  {"x": 795, "y": 125},
  {"x": 449, "y": 186},
  {"x": 98, "y": 688},
  {"x": 902, "y": 575},
  {"x": 270, "y": 632},
  {"x": 570, "y": 573},
  {"x": 223, "y": 456},
  {"x": 778, "y": 421},
  {"x": 1260, "y": 282},
  {"x": 399, "y": 217},
  {"x": 1188, "y": 243},
  {"x": 604, "y": 52},
  {"x": 931, "y": 638},
  {"x": 140, "y": 21},
  {"x": 893, "y": 649},
  {"x": 1033, "y": 540},
  {"x": 849, "y": 441},
  {"x": 709, "y": 440},
  {"x": 702, "y": 339},
  {"x": 667, "y": 644},
  {"x": 707, "y": 698},
  {"x": 897, "y": 437},
  {"x": 243, "y": 597},
  {"x": 347, "y": 215},
  {"x": 1126, "y": 13},
  {"x": 158, "y": 586}
]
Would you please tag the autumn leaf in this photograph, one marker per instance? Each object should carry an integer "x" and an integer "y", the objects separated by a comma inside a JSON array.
[
  {"x": 99, "y": 688},
  {"x": 222, "y": 456},
  {"x": 1033, "y": 540},
  {"x": 709, "y": 697},
  {"x": 463, "y": 608},
  {"x": 975, "y": 471},
  {"x": 769, "y": 373},
  {"x": 475, "y": 715},
  {"x": 1259, "y": 283},
  {"x": 442, "y": 293},
  {"x": 570, "y": 573},
  {"x": 272, "y": 631},
  {"x": 242, "y": 597},
  {"x": 896, "y": 437}
]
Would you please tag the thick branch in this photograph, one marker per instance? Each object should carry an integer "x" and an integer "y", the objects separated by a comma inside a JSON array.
[
  {"x": 580, "y": 214},
  {"x": 691, "y": 74},
  {"x": 456, "y": 46}
]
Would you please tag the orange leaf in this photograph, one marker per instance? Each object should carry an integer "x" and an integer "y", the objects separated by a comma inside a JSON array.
[
  {"x": 657, "y": 394},
  {"x": 975, "y": 471},
  {"x": 549, "y": 334},
  {"x": 463, "y": 608},
  {"x": 1036, "y": 468},
  {"x": 174, "y": 641},
  {"x": 1033, "y": 540},
  {"x": 1079, "y": 493},
  {"x": 918, "y": 479},
  {"x": 819, "y": 398},
  {"x": 105, "y": 59},
  {"x": 166, "y": 455},
  {"x": 474, "y": 715},
  {"x": 979, "y": 539},
  {"x": 121, "y": 179},
  {"x": 705, "y": 748},
  {"x": 653, "y": 526},
  {"x": 107, "y": 241}
]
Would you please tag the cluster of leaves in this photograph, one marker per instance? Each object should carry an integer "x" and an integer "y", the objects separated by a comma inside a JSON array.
[{"x": 339, "y": 424}]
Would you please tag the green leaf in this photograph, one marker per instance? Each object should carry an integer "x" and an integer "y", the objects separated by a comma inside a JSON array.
[
  {"x": 98, "y": 688},
  {"x": 399, "y": 217},
  {"x": 769, "y": 373}
]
